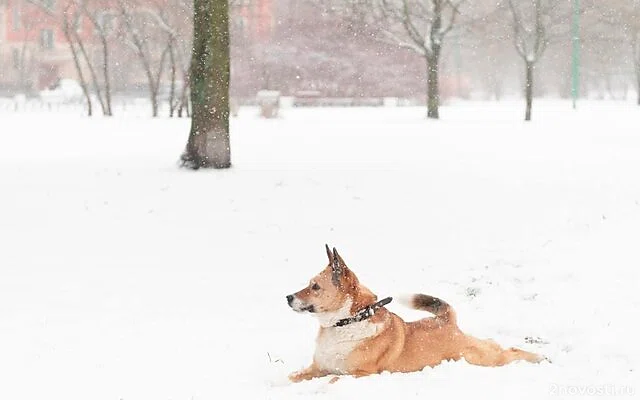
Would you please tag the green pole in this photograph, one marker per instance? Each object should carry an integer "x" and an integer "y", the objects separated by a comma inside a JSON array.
[
  {"x": 458, "y": 67},
  {"x": 575, "y": 69}
]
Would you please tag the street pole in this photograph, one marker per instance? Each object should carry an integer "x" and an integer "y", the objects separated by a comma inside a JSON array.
[
  {"x": 458, "y": 67},
  {"x": 575, "y": 69}
]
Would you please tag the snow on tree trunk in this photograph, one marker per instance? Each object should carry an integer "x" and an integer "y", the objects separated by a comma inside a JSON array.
[{"x": 208, "y": 145}]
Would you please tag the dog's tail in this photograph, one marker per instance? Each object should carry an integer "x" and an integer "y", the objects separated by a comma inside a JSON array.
[{"x": 434, "y": 305}]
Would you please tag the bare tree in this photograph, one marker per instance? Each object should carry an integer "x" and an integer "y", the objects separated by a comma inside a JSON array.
[
  {"x": 101, "y": 24},
  {"x": 209, "y": 145},
  {"x": 171, "y": 19},
  {"x": 69, "y": 23},
  {"x": 617, "y": 23},
  {"x": 26, "y": 57},
  {"x": 421, "y": 25},
  {"x": 143, "y": 33},
  {"x": 530, "y": 40},
  {"x": 629, "y": 19},
  {"x": 536, "y": 24},
  {"x": 181, "y": 20}
]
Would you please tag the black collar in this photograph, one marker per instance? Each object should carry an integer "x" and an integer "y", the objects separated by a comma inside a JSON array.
[{"x": 365, "y": 313}]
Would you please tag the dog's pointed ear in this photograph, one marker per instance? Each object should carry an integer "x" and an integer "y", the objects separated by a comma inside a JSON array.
[
  {"x": 326, "y": 246},
  {"x": 337, "y": 257},
  {"x": 337, "y": 267}
]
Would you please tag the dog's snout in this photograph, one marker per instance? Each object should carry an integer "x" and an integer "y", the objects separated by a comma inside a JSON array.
[{"x": 290, "y": 299}]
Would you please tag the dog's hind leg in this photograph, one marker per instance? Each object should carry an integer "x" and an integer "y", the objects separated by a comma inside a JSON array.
[
  {"x": 489, "y": 354},
  {"x": 513, "y": 354},
  {"x": 308, "y": 373}
]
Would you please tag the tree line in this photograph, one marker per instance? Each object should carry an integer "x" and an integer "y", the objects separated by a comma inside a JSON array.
[{"x": 357, "y": 47}]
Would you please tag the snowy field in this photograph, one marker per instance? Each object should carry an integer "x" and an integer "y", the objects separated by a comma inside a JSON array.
[{"x": 124, "y": 277}]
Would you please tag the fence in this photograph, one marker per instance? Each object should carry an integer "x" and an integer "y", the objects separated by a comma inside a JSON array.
[{"x": 134, "y": 106}]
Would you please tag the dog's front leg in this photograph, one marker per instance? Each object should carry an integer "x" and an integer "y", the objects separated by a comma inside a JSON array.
[{"x": 308, "y": 373}]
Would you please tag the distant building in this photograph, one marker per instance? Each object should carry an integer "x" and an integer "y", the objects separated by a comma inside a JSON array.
[
  {"x": 255, "y": 18},
  {"x": 34, "y": 52}
]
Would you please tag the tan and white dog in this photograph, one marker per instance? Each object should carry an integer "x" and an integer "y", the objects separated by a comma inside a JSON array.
[{"x": 359, "y": 337}]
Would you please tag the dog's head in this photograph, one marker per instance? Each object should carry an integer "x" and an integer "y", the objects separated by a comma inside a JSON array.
[{"x": 335, "y": 290}]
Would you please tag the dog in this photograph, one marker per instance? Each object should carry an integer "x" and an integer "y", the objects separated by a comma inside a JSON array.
[{"x": 358, "y": 336}]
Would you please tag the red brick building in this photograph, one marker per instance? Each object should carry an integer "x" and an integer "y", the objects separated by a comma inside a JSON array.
[{"x": 34, "y": 52}]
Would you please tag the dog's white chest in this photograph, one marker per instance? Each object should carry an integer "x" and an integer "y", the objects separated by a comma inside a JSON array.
[{"x": 334, "y": 345}]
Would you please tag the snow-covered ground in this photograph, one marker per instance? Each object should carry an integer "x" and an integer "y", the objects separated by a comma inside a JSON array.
[{"x": 124, "y": 277}]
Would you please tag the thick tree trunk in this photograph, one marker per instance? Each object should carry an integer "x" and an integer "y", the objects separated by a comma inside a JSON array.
[
  {"x": 208, "y": 145},
  {"x": 433, "y": 87},
  {"x": 529, "y": 89}
]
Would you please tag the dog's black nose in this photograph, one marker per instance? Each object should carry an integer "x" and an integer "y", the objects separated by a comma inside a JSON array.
[{"x": 290, "y": 299}]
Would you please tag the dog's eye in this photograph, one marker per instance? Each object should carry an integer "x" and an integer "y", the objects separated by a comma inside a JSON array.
[{"x": 315, "y": 286}]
